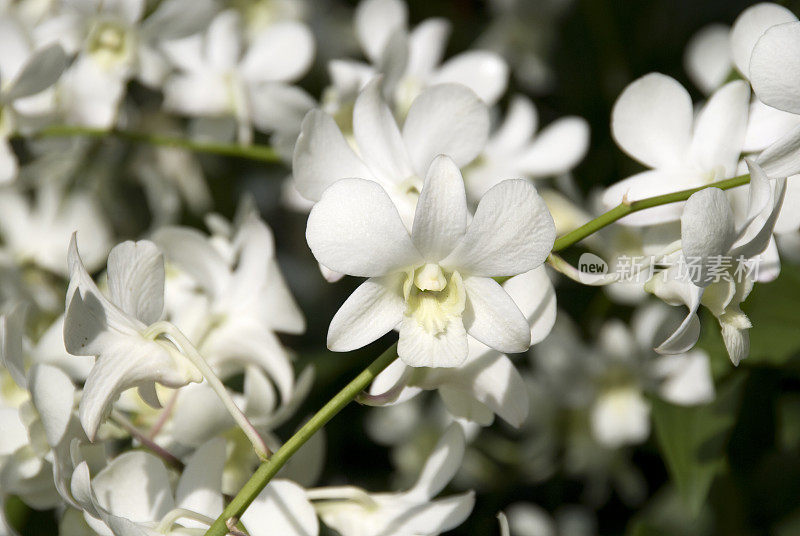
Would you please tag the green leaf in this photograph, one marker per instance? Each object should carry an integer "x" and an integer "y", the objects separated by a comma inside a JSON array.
[
  {"x": 692, "y": 440},
  {"x": 772, "y": 308}
]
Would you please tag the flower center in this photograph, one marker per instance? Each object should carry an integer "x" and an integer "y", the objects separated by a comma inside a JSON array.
[
  {"x": 110, "y": 43},
  {"x": 431, "y": 299}
]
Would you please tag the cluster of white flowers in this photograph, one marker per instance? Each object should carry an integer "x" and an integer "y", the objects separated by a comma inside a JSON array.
[{"x": 143, "y": 373}]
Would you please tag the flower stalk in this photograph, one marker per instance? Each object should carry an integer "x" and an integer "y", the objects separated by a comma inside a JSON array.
[
  {"x": 629, "y": 207},
  {"x": 270, "y": 468},
  {"x": 261, "y": 153}
]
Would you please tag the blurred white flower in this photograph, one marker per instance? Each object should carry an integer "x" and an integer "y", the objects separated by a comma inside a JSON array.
[
  {"x": 515, "y": 149},
  {"x": 410, "y": 60},
  {"x": 36, "y": 408},
  {"x": 36, "y": 231},
  {"x": 352, "y": 511},
  {"x": 621, "y": 416},
  {"x": 446, "y": 119},
  {"x": 707, "y": 58},
  {"x": 229, "y": 296},
  {"x": 609, "y": 381},
  {"x": 26, "y": 71},
  {"x": 527, "y": 519},
  {"x": 114, "y": 42},
  {"x": 766, "y": 44},
  {"x": 415, "y": 280},
  {"x": 526, "y": 34},
  {"x": 653, "y": 121},
  {"x": 218, "y": 78}
]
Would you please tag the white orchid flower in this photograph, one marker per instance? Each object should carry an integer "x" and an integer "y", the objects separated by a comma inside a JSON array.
[
  {"x": 609, "y": 381},
  {"x": 711, "y": 57},
  {"x": 353, "y": 511},
  {"x": 133, "y": 496},
  {"x": 433, "y": 284},
  {"x": 516, "y": 150},
  {"x": 765, "y": 40},
  {"x": 653, "y": 121},
  {"x": 216, "y": 78},
  {"x": 36, "y": 231},
  {"x": 115, "y": 330},
  {"x": 708, "y": 232},
  {"x": 244, "y": 302},
  {"x": 487, "y": 383},
  {"x": 112, "y": 44},
  {"x": 445, "y": 119},
  {"x": 25, "y": 73},
  {"x": 411, "y": 61},
  {"x": 123, "y": 334},
  {"x": 717, "y": 51}
]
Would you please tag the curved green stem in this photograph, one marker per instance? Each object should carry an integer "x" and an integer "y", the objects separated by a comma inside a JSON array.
[
  {"x": 629, "y": 207},
  {"x": 252, "y": 152},
  {"x": 270, "y": 468}
]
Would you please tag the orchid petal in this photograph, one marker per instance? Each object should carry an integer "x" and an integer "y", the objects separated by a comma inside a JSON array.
[
  {"x": 199, "y": 486},
  {"x": 492, "y": 317},
  {"x": 708, "y": 60},
  {"x": 512, "y": 232},
  {"x": 281, "y": 508},
  {"x": 441, "y": 465},
  {"x": 749, "y": 26},
  {"x": 720, "y": 128},
  {"x": 378, "y": 137},
  {"x": 445, "y": 119},
  {"x": 375, "y": 21},
  {"x": 281, "y": 52},
  {"x": 356, "y": 229},
  {"x": 440, "y": 220},
  {"x": 707, "y": 230},
  {"x": 652, "y": 121},
  {"x": 372, "y": 310},
  {"x": 53, "y": 396},
  {"x": 136, "y": 279},
  {"x": 484, "y": 72}
]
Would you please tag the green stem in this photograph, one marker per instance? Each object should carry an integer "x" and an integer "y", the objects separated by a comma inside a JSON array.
[
  {"x": 270, "y": 468},
  {"x": 625, "y": 208},
  {"x": 252, "y": 152}
]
